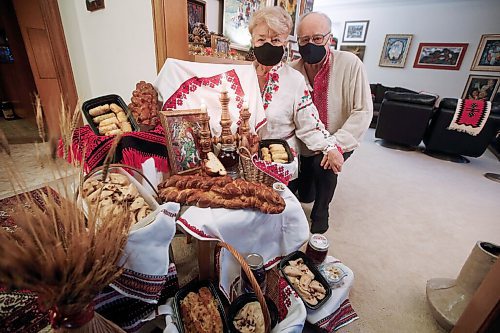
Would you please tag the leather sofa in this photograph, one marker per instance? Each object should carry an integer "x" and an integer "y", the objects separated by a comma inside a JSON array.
[
  {"x": 450, "y": 144},
  {"x": 378, "y": 90},
  {"x": 403, "y": 118}
]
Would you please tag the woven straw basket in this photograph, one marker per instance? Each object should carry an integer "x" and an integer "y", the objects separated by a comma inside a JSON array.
[{"x": 251, "y": 172}]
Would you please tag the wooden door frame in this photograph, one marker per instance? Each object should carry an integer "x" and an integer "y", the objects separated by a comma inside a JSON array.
[
  {"x": 170, "y": 30},
  {"x": 52, "y": 19}
]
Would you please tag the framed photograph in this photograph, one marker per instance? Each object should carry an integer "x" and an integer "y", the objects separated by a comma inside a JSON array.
[
  {"x": 93, "y": 5},
  {"x": 355, "y": 31},
  {"x": 481, "y": 87},
  {"x": 440, "y": 55},
  {"x": 395, "y": 50},
  {"x": 181, "y": 134},
  {"x": 220, "y": 45},
  {"x": 487, "y": 56},
  {"x": 306, "y": 6},
  {"x": 358, "y": 50},
  {"x": 235, "y": 17},
  {"x": 292, "y": 7},
  {"x": 196, "y": 13}
]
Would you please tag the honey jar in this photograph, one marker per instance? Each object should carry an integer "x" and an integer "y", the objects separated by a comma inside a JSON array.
[
  {"x": 256, "y": 264},
  {"x": 317, "y": 248}
]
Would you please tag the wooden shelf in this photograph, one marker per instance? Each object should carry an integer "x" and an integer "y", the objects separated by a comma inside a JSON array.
[{"x": 216, "y": 60}]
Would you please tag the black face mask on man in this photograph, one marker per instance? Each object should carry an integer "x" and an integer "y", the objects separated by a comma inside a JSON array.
[
  {"x": 268, "y": 55},
  {"x": 311, "y": 53}
]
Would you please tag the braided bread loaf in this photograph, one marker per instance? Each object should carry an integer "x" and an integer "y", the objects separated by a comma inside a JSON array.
[{"x": 220, "y": 192}]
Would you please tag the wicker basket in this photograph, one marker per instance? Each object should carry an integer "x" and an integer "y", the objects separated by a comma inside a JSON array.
[
  {"x": 251, "y": 172},
  {"x": 253, "y": 282}
]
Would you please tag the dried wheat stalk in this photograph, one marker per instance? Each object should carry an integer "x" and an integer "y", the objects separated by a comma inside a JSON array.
[{"x": 59, "y": 256}]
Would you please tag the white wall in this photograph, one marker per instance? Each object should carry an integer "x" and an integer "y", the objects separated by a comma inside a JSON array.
[
  {"x": 445, "y": 21},
  {"x": 110, "y": 49},
  {"x": 212, "y": 7}
]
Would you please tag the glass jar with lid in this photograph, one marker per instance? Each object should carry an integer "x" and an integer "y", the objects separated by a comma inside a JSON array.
[
  {"x": 228, "y": 156},
  {"x": 256, "y": 264}
]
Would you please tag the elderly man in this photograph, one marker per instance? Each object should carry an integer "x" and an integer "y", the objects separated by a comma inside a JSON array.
[{"x": 341, "y": 93}]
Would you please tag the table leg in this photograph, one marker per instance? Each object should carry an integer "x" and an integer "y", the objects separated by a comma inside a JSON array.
[{"x": 204, "y": 259}]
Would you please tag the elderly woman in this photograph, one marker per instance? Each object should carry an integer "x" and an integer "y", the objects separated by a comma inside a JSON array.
[{"x": 290, "y": 112}]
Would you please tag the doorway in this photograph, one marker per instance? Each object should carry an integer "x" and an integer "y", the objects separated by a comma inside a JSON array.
[{"x": 39, "y": 64}]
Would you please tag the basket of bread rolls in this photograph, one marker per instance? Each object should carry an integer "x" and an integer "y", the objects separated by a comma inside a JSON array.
[
  {"x": 109, "y": 115},
  {"x": 270, "y": 150},
  {"x": 115, "y": 191}
]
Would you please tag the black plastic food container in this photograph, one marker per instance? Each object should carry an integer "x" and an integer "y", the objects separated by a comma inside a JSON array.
[
  {"x": 267, "y": 142},
  {"x": 194, "y": 287},
  {"x": 317, "y": 276},
  {"x": 243, "y": 299},
  {"x": 108, "y": 99}
]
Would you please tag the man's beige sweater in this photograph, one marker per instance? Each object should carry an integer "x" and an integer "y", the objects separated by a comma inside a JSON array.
[{"x": 350, "y": 106}]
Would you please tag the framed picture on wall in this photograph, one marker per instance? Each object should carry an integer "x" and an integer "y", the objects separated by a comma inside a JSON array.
[
  {"x": 196, "y": 13},
  {"x": 358, "y": 50},
  {"x": 440, "y": 55},
  {"x": 481, "y": 87},
  {"x": 395, "y": 50},
  {"x": 181, "y": 134},
  {"x": 292, "y": 7},
  {"x": 487, "y": 56},
  {"x": 93, "y": 5},
  {"x": 236, "y": 15},
  {"x": 306, "y": 6},
  {"x": 355, "y": 31}
]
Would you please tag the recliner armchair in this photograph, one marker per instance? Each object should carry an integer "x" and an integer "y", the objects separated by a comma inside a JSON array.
[
  {"x": 378, "y": 91},
  {"x": 448, "y": 144},
  {"x": 403, "y": 119}
]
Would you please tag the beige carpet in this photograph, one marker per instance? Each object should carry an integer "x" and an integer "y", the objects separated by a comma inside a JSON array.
[{"x": 401, "y": 218}]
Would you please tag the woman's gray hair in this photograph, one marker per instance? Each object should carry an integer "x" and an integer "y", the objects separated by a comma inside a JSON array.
[
  {"x": 327, "y": 19},
  {"x": 276, "y": 18}
]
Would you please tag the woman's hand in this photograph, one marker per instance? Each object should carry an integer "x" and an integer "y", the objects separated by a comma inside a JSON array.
[{"x": 333, "y": 160}]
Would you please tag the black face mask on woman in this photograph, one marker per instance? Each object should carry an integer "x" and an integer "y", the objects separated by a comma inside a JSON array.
[
  {"x": 268, "y": 55},
  {"x": 311, "y": 53}
]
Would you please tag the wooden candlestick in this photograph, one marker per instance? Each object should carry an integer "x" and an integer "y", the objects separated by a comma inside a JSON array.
[
  {"x": 205, "y": 135},
  {"x": 226, "y": 136}
]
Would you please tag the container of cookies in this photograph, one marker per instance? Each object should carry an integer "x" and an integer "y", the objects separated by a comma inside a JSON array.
[
  {"x": 198, "y": 309},
  {"x": 275, "y": 150},
  {"x": 109, "y": 115}
]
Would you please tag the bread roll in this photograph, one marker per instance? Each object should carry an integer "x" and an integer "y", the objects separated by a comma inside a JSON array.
[
  {"x": 115, "y": 108},
  {"x": 98, "y": 110},
  {"x": 276, "y": 146},
  {"x": 125, "y": 127},
  {"x": 280, "y": 156},
  {"x": 114, "y": 132},
  {"x": 98, "y": 119},
  {"x": 109, "y": 121},
  {"x": 280, "y": 161},
  {"x": 121, "y": 116},
  {"x": 107, "y": 128}
]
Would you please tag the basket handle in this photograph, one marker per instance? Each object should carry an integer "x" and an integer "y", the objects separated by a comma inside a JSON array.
[
  {"x": 245, "y": 149},
  {"x": 114, "y": 166},
  {"x": 253, "y": 282}
]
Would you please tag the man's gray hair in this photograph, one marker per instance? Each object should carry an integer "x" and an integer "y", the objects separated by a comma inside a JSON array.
[{"x": 328, "y": 20}]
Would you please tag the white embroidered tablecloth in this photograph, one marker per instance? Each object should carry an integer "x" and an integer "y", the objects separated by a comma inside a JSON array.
[{"x": 249, "y": 231}]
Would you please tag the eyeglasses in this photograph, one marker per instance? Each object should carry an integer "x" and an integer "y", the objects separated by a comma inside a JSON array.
[{"x": 317, "y": 39}]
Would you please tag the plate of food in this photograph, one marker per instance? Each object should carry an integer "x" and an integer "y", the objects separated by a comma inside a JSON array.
[
  {"x": 199, "y": 309},
  {"x": 305, "y": 279},
  {"x": 245, "y": 314},
  {"x": 333, "y": 273}
]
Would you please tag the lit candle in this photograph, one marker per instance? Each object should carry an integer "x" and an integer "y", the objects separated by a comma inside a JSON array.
[
  {"x": 203, "y": 106},
  {"x": 223, "y": 83},
  {"x": 245, "y": 103}
]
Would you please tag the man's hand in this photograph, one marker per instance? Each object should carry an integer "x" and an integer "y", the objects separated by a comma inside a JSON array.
[{"x": 333, "y": 160}]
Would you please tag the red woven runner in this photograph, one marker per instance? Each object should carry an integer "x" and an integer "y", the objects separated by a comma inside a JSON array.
[{"x": 470, "y": 116}]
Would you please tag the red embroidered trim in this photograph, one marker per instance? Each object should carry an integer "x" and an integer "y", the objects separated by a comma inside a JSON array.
[
  {"x": 192, "y": 84},
  {"x": 320, "y": 99},
  {"x": 262, "y": 123},
  {"x": 194, "y": 229},
  {"x": 272, "y": 262},
  {"x": 274, "y": 170}
]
